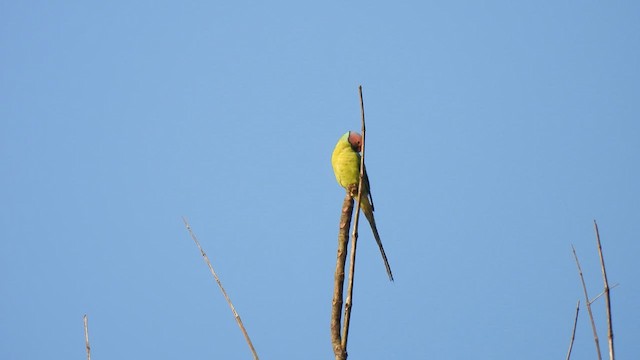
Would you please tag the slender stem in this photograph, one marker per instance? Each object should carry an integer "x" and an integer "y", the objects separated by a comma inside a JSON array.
[
  {"x": 354, "y": 236},
  {"x": 215, "y": 276},
  {"x": 586, "y": 296},
  {"x": 602, "y": 293},
  {"x": 573, "y": 332},
  {"x": 338, "y": 284},
  {"x": 607, "y": 298},
  {"x": 86, "y": 336}
]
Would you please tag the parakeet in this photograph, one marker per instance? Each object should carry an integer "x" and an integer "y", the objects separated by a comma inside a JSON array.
[{"x": 346, "y": 166}]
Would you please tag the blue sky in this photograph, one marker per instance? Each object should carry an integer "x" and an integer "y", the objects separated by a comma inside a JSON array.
[{"x": 497, "y": 132}]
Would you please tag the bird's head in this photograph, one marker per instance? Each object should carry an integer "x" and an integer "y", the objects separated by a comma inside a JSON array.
[{"x": 355, "y": 140}]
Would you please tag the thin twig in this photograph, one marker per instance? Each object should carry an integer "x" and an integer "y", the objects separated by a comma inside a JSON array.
[
  {"x": 602, "y": 293},
  {"x": 338, "y": 285},
  {"x": 586, "y": 296},
  {"x": 215, "y": 276},
  {"x": 607, "y": 298},
  {"x": 354, "y": 236},
  {"x": 573, "y": 332},
  {"x": 86, "y": 336}
]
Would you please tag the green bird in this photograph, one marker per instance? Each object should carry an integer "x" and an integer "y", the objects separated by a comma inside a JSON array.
[{"x": 346, "y": 166}]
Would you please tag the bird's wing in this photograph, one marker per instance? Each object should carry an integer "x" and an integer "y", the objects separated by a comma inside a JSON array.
[{"x": 367, "y": 186}]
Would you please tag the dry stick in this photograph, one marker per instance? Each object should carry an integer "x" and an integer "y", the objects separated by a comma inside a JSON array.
[
  {"x": 215, "y": 276},
  {"x": 573, "y": 333},
  {"x": 86, "y": 336},
  {"x": 606, "y": 293},
  {"x": 336, "y": 305},
  {"x": 354, "y": 237},
  {"x": 586, "y": 296},
  {"x": 602, "y": 293}
]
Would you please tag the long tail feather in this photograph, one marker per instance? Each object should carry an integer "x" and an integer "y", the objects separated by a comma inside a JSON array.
[{"x": 368, "y": 213}]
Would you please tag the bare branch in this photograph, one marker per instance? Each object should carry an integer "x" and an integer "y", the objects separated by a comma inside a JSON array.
[
  {"x": 607, "y": 297},
  {"x": 354, "y": 236},
  {"x": 215, "y": 276},
  {"x": 338, "y": 284},
  {"x": 86, "y": 336},
  {"x": 573, "y": 332},
  {"x": 586, "y": 296}
]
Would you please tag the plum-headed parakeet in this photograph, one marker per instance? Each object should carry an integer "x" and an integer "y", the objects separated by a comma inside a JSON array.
[{"x": 346, "y": 166}]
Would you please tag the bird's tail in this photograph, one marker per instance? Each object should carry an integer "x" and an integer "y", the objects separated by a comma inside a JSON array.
[{"x": 367, "y": 209}]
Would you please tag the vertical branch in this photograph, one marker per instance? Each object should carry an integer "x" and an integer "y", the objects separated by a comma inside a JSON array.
[
  {"x": 586, "y": 297},
  {"x": 354, "y": 236},
  {"x": 336, "y": 305},
  {"x": 573, "y": 333},
  {"x": 86, "y": 336},
  {"x": 606, "y": 293},
  {"x": 215, "y": 276}
]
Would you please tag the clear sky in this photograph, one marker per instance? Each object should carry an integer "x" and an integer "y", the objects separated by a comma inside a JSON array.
[{"x": 497, "y": 133}]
